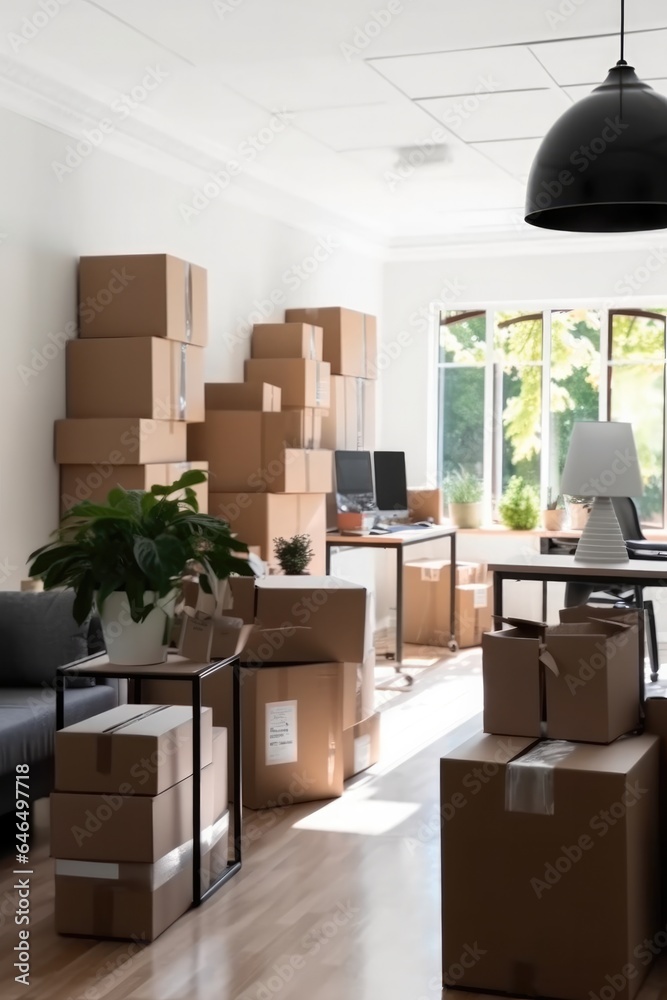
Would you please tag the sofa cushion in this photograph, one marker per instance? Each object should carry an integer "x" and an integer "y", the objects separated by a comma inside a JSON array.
[{"x": 37, "y": 634}]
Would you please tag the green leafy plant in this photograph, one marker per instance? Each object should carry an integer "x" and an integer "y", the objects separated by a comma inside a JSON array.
[
  {"x": 138, "y": 541},
  {"x": 519, "y": 506},
  {"x": 293, "y": 554},
  {"x": 462, "y": 487}
]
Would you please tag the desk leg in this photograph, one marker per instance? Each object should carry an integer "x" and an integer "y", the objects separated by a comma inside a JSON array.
[
  {"x": 327, "y": 564},
  {"x": 196, "y": 792},
  {"x": 498, "y": 579},
  {"x": 406, "y": 678},
  {"x": 453, "y": 645}
]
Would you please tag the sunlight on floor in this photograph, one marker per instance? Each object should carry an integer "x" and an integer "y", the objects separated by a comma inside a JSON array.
[{"x": 355, "y": 814}]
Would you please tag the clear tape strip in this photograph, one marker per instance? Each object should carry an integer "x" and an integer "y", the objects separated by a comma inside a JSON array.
[
  {"x": 529, "y": 781},
  {"x": 188, "y": 302},
  {"x": 182, "y": 385}
]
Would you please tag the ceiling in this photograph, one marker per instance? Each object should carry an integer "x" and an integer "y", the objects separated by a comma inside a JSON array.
[{"x": 413, "y": 122}]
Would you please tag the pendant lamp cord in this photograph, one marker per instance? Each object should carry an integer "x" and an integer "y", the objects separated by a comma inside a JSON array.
[{"x": 621, "y": 61}]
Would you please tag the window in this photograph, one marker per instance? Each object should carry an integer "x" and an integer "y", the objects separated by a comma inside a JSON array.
[{"x": 512, "y": 384}]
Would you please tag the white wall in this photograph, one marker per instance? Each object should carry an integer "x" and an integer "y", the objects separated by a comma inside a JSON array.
[{"x": 108, "y": 205}]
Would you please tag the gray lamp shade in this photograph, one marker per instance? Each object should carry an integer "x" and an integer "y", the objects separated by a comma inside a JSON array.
[{"x": 602, "y": 461}]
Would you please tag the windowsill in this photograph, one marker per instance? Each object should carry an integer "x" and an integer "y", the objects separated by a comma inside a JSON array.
[{"x": 657, "y": 534}]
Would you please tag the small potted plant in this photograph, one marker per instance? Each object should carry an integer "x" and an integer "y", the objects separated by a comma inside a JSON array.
[
  {"x": 519, "y": 506},
  {"x": 463, "y": 493},
  {"x": 578, "y": 509},
  {"x": 293, "y": 554},
  {"x": 553, "y": 516}
]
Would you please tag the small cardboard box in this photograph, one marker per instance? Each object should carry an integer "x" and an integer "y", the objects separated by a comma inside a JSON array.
[
  {"x": 513, "y": 681},
  {"x": 131, "y": 899},
  {"x": 120, "y": 441},
  {"x": 302, "y": 619},
  {"x": 426, "y": 503},
  {"x": 358, "y": 690},
  {"x": 349, "y": 424},
  {"x": 135, "y": 377},
  {"x": 426, "y": 599},
  {"x": 148, "y": 747},
  {"x": 350, "y": 338},
  {"x": 303, "y": 383},
  {"x": 287, "y": 340},
  {"x": 258, "y": 518},
  {"x": 549, "y": 842},
  {"x": 93, "y": 482},
  {"x": 121, "y": 826},
  {"x": 143, "y": 295},
  {"x": 216, "y": 627},
  {"x": 473, "y": 612},
  {"x": 242, "y": 396},
  {"x": 361, "y": 746}
]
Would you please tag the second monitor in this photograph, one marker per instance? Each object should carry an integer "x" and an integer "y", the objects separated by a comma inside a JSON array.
[{"x": 391, "y": 487}]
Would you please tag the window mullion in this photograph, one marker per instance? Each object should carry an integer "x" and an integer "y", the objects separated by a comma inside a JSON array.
[{"x": 545, "y": 450}]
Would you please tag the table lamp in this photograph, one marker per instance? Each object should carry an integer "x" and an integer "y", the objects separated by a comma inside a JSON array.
[{"x": 602, "y": 463}]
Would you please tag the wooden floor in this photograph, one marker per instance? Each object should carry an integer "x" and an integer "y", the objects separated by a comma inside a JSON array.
[{"x": 335, "y": 900}]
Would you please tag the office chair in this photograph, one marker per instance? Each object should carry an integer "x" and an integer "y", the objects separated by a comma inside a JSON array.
[{"x": 631, "y": 597}]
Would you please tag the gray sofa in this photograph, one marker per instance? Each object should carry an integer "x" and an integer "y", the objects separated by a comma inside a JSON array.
[{"x": 37, "y": 634}]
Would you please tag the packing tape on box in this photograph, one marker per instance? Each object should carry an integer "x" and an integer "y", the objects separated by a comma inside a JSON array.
[
  {"x": 182, "y": 387},
  {"x": 105, "y": 741},
  {"x": 318, "y": 383},
  {"x": 364, "y": 348},
  {"x": 312, "y": 353},
  {"x": 529, "y": 780},
  {"x": 188, "y": 302},
  {"x": 360, "y": 411}
]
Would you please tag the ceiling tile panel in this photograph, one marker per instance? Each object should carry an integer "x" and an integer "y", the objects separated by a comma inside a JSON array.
[
  {"x": 362, "y": 127},
  {"x": 500, "y": 116},
  {"x": 587, "y": 60}
]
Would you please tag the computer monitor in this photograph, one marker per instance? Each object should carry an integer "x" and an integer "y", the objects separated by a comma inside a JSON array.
[
  {"x": 354, "y": 480},
  {"x": 391, "y": 486}
]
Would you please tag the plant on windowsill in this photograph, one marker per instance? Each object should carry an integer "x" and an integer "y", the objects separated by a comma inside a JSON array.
[
  {"x": 128, "y": 555},
  {"x": 578, "y": 509},
  {"x": 553, "y": 516},
  {"x": 293, "y": 554},
  {"x": 519, "y": 506},
  {"x": 463, "y": 492}
]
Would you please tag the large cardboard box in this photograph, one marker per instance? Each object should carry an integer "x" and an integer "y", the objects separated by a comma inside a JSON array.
[
  {"x": 143, "y": 295},
  {"x": 93, "y": 482},
  {"x": 655, "y": 709},
  {"x": 301, "y": 619},
  {"x": 220, "y": 760},
  {"x": 303, "y": 383},
  {"x": 130, "y": 899},
  {"x": 120, "y": 441},
  {"x": 287, "y": 340},
  {"x": 361, "y": 746},
  {"x": 425, "y": 503},
  {"x": 135, "y": 377},
  {"x": 148, "y": 747},
  {"x": 350, "y": 338},
  {"x": 256, "y": 452},
  {"x": 473, "y": 603},
  {"x": 122, "y": 826},
  {"x": 581, "y": 677},
  {"x": 242, "y": 396},
  {"x": 358, "y": 690},
  {"x": 349, "y": 424},
  {"x": 258, "y": 518},
  {"x": 426, "y": 598},
  {"x": 555, "y": 842}
]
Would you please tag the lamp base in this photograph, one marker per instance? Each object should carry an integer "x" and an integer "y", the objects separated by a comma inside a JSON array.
[{"x": 601, "y": 540}]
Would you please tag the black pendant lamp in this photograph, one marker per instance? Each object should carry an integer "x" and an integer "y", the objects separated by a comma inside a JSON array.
[{"x": 602, "y": 168}]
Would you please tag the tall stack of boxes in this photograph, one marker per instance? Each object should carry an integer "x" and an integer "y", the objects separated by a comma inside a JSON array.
[
  {"x": 426, "y": 602},
  {"x": 121, "y": 819},
  {"x": 135, "y": 376},
  {"x": 550, "y": 818}
]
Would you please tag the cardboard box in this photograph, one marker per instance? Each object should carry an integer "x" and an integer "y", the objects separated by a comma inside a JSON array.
[
  {"x": 242, "y": 396},
  {"x": 135, "y": 377},
  {"x": 143, "y": 295},
  {"x": 473, "y": 612},
  {"x": 528, "y": 861},
  {"x": 287, "y": 340},
  {"x": 119, "y": 441},
  {"x": 426, "y": 598},
  {"x": 358, "y": 690},
  {"x": 350, "y": 338},
  {"x": 258, "y": 518},
  {"x": 220, "y": 763},
  {"x": 122, "y": 826},
  {"x": 256, "y": 452},
  {"x": 93, "y": 482},
  {"x": 303, "y": 383},
  {"x": 349, "y": 424},
  {"x": 655, "y": 723},
  {"x": 361, "y": 746},
  {"x": 426, "y": 503},
  {"x": 582, "y": 678},
  {"x": 216, "y": 627},
  {"x": 148, "y": 747},
  {"x": 302, "y": 619},
  {"x": 134, "y": 900}
]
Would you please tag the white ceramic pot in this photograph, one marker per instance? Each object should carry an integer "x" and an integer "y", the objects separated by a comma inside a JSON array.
[
  {"x": 466, "y": 515},
  {"x": 132, "y": 643}
]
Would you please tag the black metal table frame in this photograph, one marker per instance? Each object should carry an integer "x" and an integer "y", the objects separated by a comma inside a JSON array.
[
  {"x": 78, "y": 669},
  {"x": 376, "y": 542}
]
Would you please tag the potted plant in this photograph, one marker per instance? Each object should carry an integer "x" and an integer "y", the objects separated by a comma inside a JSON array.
[
  {"x": 578, "y": 509},
  {"x": 553, "y": 517},
  {"x": 463, "y": 493},
  {"x": 293, "y": 554},
  {"x": 519, "y": 506},
  {"x": 127, "y": 557}
]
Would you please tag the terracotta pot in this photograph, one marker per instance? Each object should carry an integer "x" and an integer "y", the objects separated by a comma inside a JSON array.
[{"x": 553, "y": 520}]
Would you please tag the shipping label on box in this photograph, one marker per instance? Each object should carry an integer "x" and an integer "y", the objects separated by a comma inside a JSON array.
[{"x": 281, "y": 732}]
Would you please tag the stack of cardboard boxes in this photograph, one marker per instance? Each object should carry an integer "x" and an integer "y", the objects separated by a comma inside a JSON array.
[
  {"x": 135, "y": 376},
  {"x": 121, "y": 819},
  {"x": 269, "y": 477},
  {"x": 307, "y": 687},
  {"x": 550, "y": 860},
  {"x": 426, "y": 602}
]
